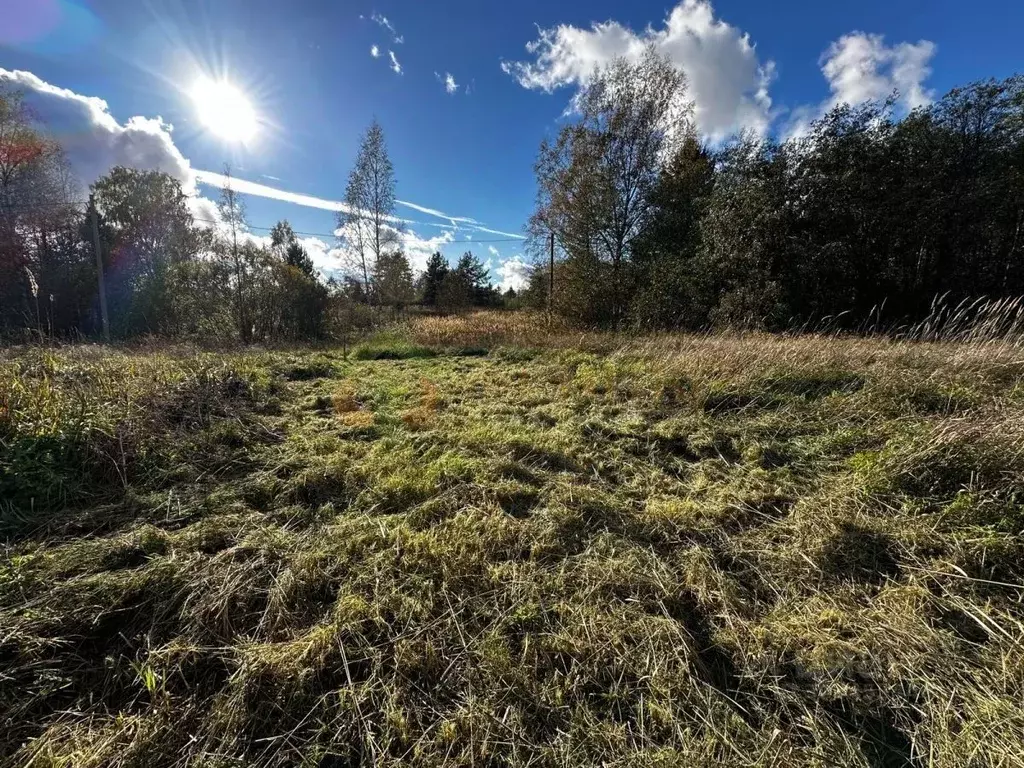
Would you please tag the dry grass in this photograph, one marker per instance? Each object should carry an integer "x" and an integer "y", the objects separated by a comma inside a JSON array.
[
  {"x": 674, "y": 550},
  {"x": 490, "y": 329},
  {"x": 345, "y": 399}
]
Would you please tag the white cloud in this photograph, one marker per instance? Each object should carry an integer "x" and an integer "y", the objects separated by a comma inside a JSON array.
[
  {"x": 727, "y": 81},
  {"x": 214, "y": 179},
  {"x": 498, "y": 232},
  {"x": 383, "y": 21},
  {"x": 514, "y": 273},
  {"x": 454, "y": 220},
  {"x": 374, "y": 51},
  {"x": 860, "y": 67},
  {"x": 494, "y": 251},
  {"x": 395, "y": 66},
  {"x": 328, "y": 259},
  {"x": 93, "y": 140},
  {"x": 204, "y": 211},
  {"x": 416, "y": 248},
  {"x": 450, "y": 86},
  {"x": 449, "y": 83},
  {"x": 419, "y": 249}
]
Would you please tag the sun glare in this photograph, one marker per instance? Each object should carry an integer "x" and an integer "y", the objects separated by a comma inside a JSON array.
[{"x": 225, "y": 110}]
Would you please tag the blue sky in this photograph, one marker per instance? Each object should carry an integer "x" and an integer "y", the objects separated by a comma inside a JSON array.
[{"x": 465, "y": 150}]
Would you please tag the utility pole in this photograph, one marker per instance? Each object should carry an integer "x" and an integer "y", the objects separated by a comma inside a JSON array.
[
  {"x": 99, "y": 268},
  {"x": 551, "y": 272}
]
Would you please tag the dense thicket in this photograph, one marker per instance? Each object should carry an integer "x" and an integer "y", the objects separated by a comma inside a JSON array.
[{"x": 864, "y": 216}]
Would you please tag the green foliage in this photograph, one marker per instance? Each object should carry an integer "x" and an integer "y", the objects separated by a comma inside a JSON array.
[
  {"x": 850, "y": 225},
  {"x": 596, "y": 181},
  {"x": 41, "y": 259},
  {"x": 152, "y": 232},
  {"x": 454, "y": 294},
  {"x": 670, "y": 282},
  {"x": 286, "y": 244},
  {"x": 433, "y": 276},
  {"x": 393, "y": 281},
  {"x": 476, "y": 276}
]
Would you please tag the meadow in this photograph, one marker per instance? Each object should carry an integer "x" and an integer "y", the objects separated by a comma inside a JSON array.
[{"x": 491, "y": 541}]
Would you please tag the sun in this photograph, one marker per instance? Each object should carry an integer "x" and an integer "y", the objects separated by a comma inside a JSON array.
[{"x": 225, "y": 110}]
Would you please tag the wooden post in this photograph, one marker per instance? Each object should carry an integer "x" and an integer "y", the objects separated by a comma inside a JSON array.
[
  {"x": 551, "y": 273},
  {"x": 99, "y": 268}
]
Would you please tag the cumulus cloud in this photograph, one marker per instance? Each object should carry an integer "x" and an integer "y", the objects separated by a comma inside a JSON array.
[
  {"x": 374, "y": 51},
  {"x": 327, "y": 258},
  {"x": 419, "y": 249},
  {"x": 728, "y": 83},
  {"x": 93, "y": 139},
  {"x": 205, "y": 211},
  {"x": 395, "y": 66},
  {"x": 860, "y": 67},
  {"x": 514, "y": 273},
  {"x": 416, "y": 248}
]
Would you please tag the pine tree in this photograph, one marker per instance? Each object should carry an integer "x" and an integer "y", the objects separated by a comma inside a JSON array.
[
  {"x": 477, "y": 277},
  {"x": 437, "y": 268},
  {"x": 286, "y": 244}
]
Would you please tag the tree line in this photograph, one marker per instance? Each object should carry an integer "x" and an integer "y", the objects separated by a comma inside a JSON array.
[
  {"x": 860, "y": 217},
  {"x": 165, "y": 273}
]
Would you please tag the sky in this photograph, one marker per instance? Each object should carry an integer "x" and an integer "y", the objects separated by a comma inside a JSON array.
[{"x": 465, "y": 91}]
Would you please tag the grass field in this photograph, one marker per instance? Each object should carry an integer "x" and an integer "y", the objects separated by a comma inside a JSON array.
[{"x": 485, "y": 542}]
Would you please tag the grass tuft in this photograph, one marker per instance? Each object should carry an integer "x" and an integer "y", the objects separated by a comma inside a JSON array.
[{"x": 390, "y": 347}]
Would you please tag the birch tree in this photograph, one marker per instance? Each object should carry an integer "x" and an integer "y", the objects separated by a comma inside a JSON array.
[
  {"x": 232, "y": 213},
  {"x": 366, "y": 231}
]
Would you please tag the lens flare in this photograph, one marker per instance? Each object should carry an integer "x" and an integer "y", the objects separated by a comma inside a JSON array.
[{"x": 26, "y": 21}]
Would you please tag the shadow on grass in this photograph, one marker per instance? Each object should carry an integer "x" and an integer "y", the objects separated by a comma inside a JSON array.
[{"x": 860, "y": 554}]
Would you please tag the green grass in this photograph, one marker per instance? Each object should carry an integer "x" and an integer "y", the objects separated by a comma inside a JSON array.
[
  {"x": 679, "y": 551},
  {"x": 390, "y": 346}
]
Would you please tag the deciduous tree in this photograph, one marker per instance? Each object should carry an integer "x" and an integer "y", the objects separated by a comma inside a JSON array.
[{"x": 366, "y": 227}]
